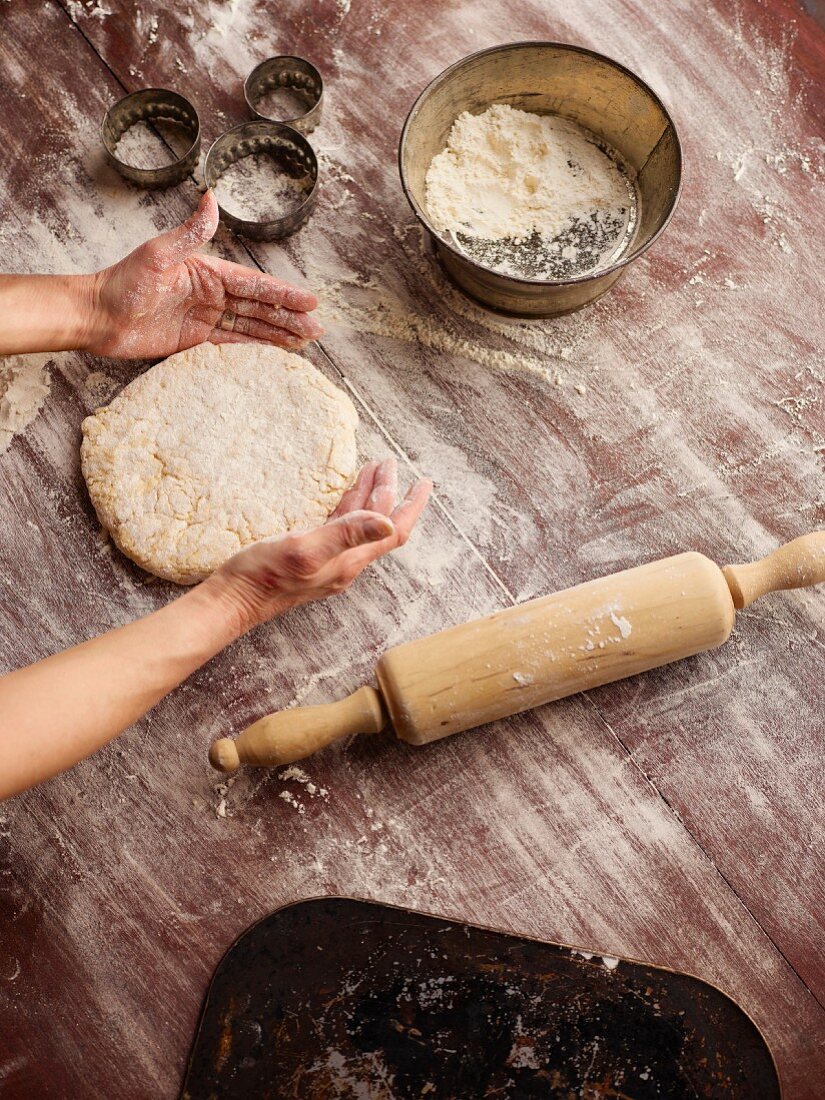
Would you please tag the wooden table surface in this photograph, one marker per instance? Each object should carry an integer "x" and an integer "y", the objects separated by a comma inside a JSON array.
[{"x": 676, "y": 817}]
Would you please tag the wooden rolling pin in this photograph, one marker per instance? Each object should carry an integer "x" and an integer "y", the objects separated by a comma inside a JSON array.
[{"x": 536, "y": 652}]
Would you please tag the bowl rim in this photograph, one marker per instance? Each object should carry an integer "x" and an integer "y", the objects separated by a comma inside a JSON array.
[{"x": 445, "y": 74}]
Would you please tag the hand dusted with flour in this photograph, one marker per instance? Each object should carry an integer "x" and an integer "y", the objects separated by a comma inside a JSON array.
[
  {"x": 167, "y": 295},
  {"x": 214, "y": 449}
]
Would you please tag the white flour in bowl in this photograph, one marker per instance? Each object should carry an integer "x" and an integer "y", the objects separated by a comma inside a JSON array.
[{"x": 530, "y": 195}]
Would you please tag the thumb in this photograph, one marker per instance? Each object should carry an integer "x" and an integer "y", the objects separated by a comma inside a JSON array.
[
  {"x": 171, "y": 248},
  {"x": 315, "y": 549},
  {"x": 356, "y": 528}
]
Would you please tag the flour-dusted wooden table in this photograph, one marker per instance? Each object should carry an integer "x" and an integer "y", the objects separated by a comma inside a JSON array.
[{"x": 677, "y": 817}]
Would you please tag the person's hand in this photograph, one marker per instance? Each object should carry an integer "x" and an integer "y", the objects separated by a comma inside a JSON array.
[
  {"x": 267, "y": 579},
  {"x": 166, "y": 296}
]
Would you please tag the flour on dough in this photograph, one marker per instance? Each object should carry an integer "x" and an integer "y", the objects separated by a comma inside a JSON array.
[{"x": 216, "y": 448}]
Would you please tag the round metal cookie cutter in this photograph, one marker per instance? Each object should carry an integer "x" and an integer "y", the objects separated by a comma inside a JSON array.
[
  {"x": 294, "y": 73},
  {"x": 143, "y": 106},
  {"x": 294, "y": 156}
]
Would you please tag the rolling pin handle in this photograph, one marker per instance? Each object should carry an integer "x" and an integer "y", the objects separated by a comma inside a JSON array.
[
  {"x": 797, "y": 564},
  {"x": 290, "y": 735},
  {"x": 224, "y": 756}
]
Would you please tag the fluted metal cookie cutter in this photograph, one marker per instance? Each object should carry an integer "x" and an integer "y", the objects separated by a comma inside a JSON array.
[
  {"x": 293, "y": 156},
  {"x": 295, "y": 74},
  {"x": 145, "y": 106},
  {"x": 282, "y": 140}
]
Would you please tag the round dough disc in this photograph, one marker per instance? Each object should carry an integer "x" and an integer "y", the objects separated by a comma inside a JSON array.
[{"x": 216, "y": 448}]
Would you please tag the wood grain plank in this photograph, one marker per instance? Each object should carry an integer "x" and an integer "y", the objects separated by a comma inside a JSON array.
[
  {"x": 121, "y": 886},
  {"x": 678, "y": 439}
]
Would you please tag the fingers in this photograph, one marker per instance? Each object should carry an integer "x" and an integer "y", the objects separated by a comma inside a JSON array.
[
  {"x": 302, "y": 556},
  {"x": 404, "y": 519},
  {"x": 218, "y": 336},
  {"x": 277, "y": 336},
  {"x": 301, "y": 324},
  {"x": 245, "y": 282},
  {"x": 375, "y": 489},
  {"x": 171, "y": 248},
  {"x": 406, "y": 514},
  {"x": 357, "y": 496},
  {"x": 270, "y": 334},
  {"x": 385, "y": 488},
  {"x": 285, "y": 572}
]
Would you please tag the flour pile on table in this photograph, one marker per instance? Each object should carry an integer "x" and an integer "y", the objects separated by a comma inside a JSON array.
[
  {"x": 24, "y": 385},
  {"x": 214, "y": 449},
  {"x": 256, "y": 188},
  {"x": 534, "y": 196}
]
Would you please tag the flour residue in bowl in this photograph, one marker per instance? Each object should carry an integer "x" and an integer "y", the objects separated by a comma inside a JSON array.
[{"x": 535, "y": 196}]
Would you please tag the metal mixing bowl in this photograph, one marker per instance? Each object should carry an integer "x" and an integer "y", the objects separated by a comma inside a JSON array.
[{"x": 547, "y": 78}]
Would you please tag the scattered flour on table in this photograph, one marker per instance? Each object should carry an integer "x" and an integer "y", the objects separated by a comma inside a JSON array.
[
  {"x": 222, "y": 21},
  {"x": 381, "y": 305},
  {"x": 93, "y": 8},
  {"x": 531, "y": 195},
  {"x": 384, "y": 313},
  {"x": 24, "y": 386},
  {"x": 287, "y": 796},
  {"x": 222, "y": 790},
  {"x": 298, "y": 775},
  {"x": 258, "y": 189},
  {"x": 153, "y": 145},
  {"x": 284, "y": 104},
  {"x": 99, "y": 387}
]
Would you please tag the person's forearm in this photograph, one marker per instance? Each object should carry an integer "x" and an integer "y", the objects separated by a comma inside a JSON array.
[
  {"x": 58, "y": 711},
  {"x": 46, "y": 312}
]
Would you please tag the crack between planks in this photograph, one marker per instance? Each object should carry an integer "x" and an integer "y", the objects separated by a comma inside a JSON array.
[
  {"x": 486, "y": 565},
  {"x": 442, "y": 508}
]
